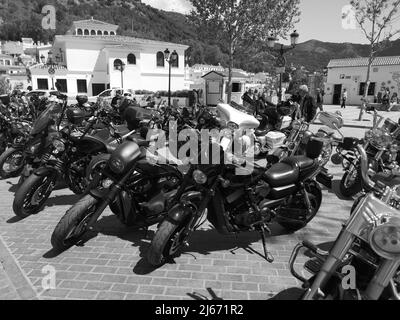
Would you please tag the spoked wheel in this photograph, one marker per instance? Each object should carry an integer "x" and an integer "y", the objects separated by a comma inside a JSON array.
[
  {"x": 33, "y": 194},
  {"x": 350, "y": 184},
  {"x": 11, "y": 163},
  {"x": 167, "y": 243},
  {"x": 315, "y": 196},
  {"x": 73, "y": 225}
]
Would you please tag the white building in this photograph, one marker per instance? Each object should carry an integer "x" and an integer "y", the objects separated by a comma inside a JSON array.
[
  {"x": 351, "y": 74},
  {"x": 88, "y": 54}
]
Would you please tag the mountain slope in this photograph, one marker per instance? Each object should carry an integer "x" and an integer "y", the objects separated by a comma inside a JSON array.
[{"x": 22, "y": 18}]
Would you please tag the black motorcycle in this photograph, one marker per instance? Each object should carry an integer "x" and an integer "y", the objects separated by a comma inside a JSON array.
[
  {"x": 136, "y": 191},
  {"x": 287, "y": 193},
  {"x": 23, "y": 155},
  {"x": 67, "y": 159}
]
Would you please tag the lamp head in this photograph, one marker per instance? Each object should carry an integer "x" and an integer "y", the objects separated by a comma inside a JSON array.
[{"x": 294, "y": 38}]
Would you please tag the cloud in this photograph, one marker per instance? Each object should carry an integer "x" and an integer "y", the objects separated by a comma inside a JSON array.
[{"x": 182, "y": 6}]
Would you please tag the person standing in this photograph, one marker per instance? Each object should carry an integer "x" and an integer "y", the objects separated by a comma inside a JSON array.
[
  {"x": 386, "y": 100},
  {"x": 344, "y": 99},
  {"x": 308, "y": 107},
  {"x": 320, "y": 100}
]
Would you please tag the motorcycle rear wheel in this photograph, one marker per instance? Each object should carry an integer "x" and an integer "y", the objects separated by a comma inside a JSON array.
[
  {"x": 74, "y": 218},
  {"x": 315, "y": 195},
  {"x": 32, "y": 195}
]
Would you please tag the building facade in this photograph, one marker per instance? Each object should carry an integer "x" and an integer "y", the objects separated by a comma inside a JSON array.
[
  {"x": 88, "y": 63},
  {"x": 351, "y": 74}
]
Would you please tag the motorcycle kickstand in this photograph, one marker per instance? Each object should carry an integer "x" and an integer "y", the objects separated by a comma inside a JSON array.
[{"x": 267, "y": 255}]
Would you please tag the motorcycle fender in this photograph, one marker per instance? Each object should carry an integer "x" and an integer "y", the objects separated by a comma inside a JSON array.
[{"x": 43, "y": 171}]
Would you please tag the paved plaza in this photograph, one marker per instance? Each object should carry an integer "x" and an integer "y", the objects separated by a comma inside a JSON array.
[{"x": 111, "y": 266}]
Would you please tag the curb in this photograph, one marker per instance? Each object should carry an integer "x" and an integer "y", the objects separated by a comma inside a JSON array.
[{"x": 16, "y": 276}]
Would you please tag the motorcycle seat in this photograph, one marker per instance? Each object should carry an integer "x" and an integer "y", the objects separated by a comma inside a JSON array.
[
  {"x": 305, "y": 165},
  {"x": 282, "y": 174}
]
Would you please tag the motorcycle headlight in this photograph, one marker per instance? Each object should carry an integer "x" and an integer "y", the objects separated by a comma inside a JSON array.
[
  {"x": 233, "y": 126},
  {"x": 380, "y": 138},
  {"x": 199, "y": 177},
  {"x": 59, "y": 145},
  {"x": 117, "y": 166},
  {"x": 385, "y": 240}
]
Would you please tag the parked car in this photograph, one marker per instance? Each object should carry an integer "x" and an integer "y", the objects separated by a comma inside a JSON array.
[{"x": 109, "y": 94}]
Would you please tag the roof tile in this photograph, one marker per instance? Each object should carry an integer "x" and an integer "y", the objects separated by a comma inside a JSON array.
[{"x": 363, "y": 62}]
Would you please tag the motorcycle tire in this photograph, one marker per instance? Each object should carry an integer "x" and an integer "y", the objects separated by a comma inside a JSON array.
[
  {"x": 23, "y": 205},
  {"x": 166, "y": 243},
  {"x": 5, "y": 158},
  {"x": 351, "y": 190},
  {"x": 315, "y": 195},
  {"x": 75, "y": 216}
]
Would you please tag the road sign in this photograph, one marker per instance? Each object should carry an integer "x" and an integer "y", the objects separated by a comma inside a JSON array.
[
  {"x": 280, "y": 69},
  {"x": 281, "y": 62}
]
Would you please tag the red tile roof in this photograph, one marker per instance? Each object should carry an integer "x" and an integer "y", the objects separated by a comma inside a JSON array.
[{"x": 363, "y": 62}]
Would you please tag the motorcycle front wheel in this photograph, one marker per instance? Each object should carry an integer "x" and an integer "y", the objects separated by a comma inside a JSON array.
[
  {"x": 350, "y": 184},
  {"x": 33, "y": 194},
  {"x": 73, "y": 225},
  {"x": 11, "y": 163},
  {"x": 167, "y": 243}
]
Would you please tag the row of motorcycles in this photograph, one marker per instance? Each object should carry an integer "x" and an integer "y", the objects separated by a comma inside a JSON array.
[{"x": 118, "y": 167}]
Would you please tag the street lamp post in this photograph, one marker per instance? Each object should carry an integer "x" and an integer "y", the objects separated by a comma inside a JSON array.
[
  {"x": 121, "y": 67},
  {"x": 281, "y": 60},
  {"x": 170, "y": 58},
  {"x": 51, "y": 64}
]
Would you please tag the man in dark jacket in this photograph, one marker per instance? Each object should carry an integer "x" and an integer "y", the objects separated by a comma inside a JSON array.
[{"x": 307, "y": 105}]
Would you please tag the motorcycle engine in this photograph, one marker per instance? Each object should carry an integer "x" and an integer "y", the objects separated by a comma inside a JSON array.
[{"x": 248, "y": 207}]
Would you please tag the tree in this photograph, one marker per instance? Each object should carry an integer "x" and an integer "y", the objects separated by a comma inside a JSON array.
[
  {"x": 4, "y": 86},
  {"x": 375, "y": 17},
  {"x": 241, "y": 22}
]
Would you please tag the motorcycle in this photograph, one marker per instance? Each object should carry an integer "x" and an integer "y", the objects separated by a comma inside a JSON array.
[
  {"x": 12, "y": 131},
  {"x": 136, "y": 190},
  {"x": 286, "y": 193},
  {"x": 67, "y": 158},
  {"x": 368, "y": 247},
  {"x": 23, "y": 155},
  {"x": 381, "y": 144}
]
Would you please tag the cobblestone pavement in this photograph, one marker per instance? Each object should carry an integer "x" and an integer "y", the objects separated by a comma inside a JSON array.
[{"x": 110, "y": 265}]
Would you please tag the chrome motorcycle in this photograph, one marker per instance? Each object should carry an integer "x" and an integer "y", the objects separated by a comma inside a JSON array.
[
  {"x": 381, "y": 144},
  {"x": 368, "y": 248}
]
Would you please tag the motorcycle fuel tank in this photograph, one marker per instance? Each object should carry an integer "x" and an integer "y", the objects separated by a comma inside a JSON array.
[{"x": 242, "y": 119}]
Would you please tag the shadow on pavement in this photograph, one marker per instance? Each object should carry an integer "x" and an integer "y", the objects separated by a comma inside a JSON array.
[
  {"x": 68, "y": 200},
  {"x": 199, "y": 296},
  {"x": 15, "y": 219},
  {"x": 289, "y": 294}
]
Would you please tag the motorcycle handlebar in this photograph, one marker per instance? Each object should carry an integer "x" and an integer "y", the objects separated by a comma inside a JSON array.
[{"x": 365, "y": 167}]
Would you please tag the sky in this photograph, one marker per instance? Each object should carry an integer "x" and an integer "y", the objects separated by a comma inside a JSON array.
[{"x": 320, "y": 19}]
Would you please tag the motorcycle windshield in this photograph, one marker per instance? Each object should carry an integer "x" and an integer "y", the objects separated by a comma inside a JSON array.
[{"x": 47, "y": 117}]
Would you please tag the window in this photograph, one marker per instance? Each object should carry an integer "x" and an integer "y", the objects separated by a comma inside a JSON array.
[
  {"x": 1, "y": 62},
  {"x": 160, "y": 59},
  {"x": 80, "y": 32},
  {"x": 8, "y": 62},
  {"x": 43, "y": 84},
  {"x": 112, "y": 33},
  {"x": 375, "y": 70},
  {"x": 236, "y": 87},
  {"x": 105, "y": 33},
  {"x": 131, "y": 58},
  {"x": 117, "y": 64},
  {"x": 86, "y": 32},
  {"x": 175, "y": 63},
  {"x": 82, "y": 86},
  {"x": 371, "y": 89},
  {"x": 63, "y": 85},
  {"x": 93, "y": 32},
  {"x": 99, "y": 33}
]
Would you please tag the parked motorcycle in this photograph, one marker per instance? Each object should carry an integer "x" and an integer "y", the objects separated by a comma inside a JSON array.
[
  {"x": 368, "y": 246},
  {"x": 68, "y": 159},
  {"x": 381, "y": 143},
  {"x": 12, "y": 131},
  {"x": 24, "y": 154},
  {"x": 286, "y": 193}
]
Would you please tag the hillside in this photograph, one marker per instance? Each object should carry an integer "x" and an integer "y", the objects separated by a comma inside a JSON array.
[{"x": 22, "y": 18}]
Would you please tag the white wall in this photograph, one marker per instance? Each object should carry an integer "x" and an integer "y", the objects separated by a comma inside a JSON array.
[{"x": 387, "y": 75}]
